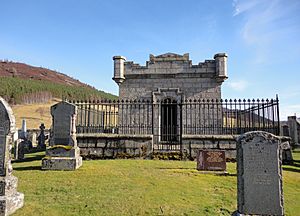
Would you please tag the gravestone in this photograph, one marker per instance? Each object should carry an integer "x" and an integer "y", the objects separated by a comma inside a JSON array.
[
  {"x": 23, "y": 131},
  {"x": 42, "y": 137},
  {"x": 10, "y": 199},
  {"x": 259, "y": 174},
  {"x": 63, "y": 153},
  {"x": 287, "y": 157},
  {"x": 211, "y": 160}
]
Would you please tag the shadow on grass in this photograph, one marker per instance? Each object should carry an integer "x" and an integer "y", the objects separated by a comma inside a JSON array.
[
  {"x": 167, "y": 168},
  {"x": 29, "y": 159},
  {"x": 27, "y": 168},
  {"x": 291, "y": 169},
  {"x": 220, "y": 173}
]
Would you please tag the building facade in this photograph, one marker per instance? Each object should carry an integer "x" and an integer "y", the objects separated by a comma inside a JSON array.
[{"x": 170, "y": 76}]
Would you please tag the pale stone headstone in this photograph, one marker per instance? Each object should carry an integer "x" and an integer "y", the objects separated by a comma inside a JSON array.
[
  {"x": 23, "y": 131},
  {"x": 10, "y": 199},
  {"x": 259, "y": 174},
  {"x": 64, "y": 154}
]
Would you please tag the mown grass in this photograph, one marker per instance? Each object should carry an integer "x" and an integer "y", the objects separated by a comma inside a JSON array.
[{"x": 137, "y": 187}]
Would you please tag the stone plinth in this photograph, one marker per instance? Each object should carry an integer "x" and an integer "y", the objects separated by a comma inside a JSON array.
[
  {"x": 259, "y": 174},
  {"x": 63, "y": 154},
  {"x": 10, "y": 199}
]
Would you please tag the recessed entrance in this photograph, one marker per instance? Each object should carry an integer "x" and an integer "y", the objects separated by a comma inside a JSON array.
[{"x": 169, "y": 120}]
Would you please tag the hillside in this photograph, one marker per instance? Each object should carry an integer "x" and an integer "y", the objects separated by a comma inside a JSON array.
[
  {"x": 21, "y": 70},
  {"x": 21, "y": 83}
]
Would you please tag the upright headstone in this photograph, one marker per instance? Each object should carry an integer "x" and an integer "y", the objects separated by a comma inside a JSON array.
[
  {"x": 10, "y": 199},
  {"x": 63, "y": 154},
  {"x": 42, "y": 137},
  {"x": 23, "y": 133},
  {"x": 32, "y": 139},
  {"x": 259, "y": 174}
]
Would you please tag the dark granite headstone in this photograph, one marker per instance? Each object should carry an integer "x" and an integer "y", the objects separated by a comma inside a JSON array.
[
  {"x": 64, "y": 154},
  {"x": 212, "y": 160},
  {"x": 259, "y": 174}
]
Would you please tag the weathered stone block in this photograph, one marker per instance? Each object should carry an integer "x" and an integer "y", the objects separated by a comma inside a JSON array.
[
  {"x": 10, "y": 199},
  {"x": 61, "y": 163}
]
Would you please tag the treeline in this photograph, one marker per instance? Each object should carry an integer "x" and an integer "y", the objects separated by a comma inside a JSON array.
[{"x": 17, "y": 91}]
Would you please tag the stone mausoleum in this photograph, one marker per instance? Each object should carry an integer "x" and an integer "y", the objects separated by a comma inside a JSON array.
[
  {"x": 168, "y": 81},
  {"x": 169, "y": 105},
  {"x": 170, "y": 75}
]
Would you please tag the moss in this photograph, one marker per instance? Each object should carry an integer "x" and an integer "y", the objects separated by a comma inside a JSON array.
[{"x": 68, "y": 148}]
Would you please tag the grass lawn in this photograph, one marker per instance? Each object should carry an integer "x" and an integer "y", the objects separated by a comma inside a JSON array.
[{"x": 137, "y": 187}]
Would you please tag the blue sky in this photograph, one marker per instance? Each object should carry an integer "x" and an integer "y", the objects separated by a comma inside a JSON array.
[{"x": 79, "y": 38}]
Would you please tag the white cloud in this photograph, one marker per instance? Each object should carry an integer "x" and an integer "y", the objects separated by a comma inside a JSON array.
[
  {"x": 266, "y": 23},
  {"x": 239, "y": 85},
  {"x": 289, "y": 110},
  {"x": 243, "y": 6}
]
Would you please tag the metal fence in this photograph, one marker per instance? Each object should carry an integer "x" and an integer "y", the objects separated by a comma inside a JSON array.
[{"x": 169, "y": 119}]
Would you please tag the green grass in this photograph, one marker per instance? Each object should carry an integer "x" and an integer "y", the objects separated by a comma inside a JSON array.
[{"x": 137, "y": 187}]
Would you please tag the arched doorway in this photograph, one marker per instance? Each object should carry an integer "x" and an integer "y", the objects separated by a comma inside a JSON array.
[{"x": 169, "y": 120}]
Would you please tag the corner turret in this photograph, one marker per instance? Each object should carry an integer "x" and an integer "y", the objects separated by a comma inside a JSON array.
[
  {"x": 221, "y": 66},
  {"x": 119, "y": 69}
]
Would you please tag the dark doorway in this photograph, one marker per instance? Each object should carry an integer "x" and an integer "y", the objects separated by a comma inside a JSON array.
[{"x": 169, "y": 120}]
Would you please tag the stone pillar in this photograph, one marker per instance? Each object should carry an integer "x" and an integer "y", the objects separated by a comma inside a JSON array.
[
  {"x": 259, "y": 174},
  {"x": 292, "y": 123},
  {"x": 119, "y": 69},
  {"x": 23, "y": 130},
  {"x": 64, "y": 154},
  {"x": 10, "y": 199}
]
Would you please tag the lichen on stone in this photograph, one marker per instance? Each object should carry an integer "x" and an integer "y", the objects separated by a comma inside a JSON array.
[{"x": 68, "y": 148}]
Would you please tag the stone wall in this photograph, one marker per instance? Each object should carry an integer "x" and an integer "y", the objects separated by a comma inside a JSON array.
[
  {"x": 104, "y": 146},
  {"x": 109, "y": 146},
  {"x": 193, "y": 143},
  {"x": 130, "y": 146}
]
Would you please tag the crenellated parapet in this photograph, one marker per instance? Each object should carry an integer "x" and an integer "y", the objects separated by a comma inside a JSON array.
[{"x": 171, "y": 63}]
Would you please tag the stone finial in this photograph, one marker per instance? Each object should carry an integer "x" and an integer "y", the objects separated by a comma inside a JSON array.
[{"x": 119, "y": 69}]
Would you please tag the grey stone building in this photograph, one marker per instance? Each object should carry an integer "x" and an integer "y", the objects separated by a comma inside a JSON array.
[
  {"x": 170, "y": 75},
  {"x": 168, "y": 81}
]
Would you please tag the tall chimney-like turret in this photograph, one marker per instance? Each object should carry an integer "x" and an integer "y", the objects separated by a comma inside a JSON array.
[
  {"x": 119, "y": 69},
  {"x": 221, "y": 66}
]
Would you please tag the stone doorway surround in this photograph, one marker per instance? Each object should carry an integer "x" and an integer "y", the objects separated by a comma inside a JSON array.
[{"x": 173, "y": 94}]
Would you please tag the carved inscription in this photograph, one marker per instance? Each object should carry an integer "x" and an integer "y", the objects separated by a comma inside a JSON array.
[
  {"x": 2, "y": 151},
  {"x": 62, "y": 126},
  {"x": 2, "y": 188},
  {"x": 214, "y": 157},
  {"x": 211, "y": 160},
  {"x": 259, "y": 174}
]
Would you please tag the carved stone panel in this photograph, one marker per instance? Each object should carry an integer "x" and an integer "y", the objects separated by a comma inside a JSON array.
[{"x": 211, "y": 160}]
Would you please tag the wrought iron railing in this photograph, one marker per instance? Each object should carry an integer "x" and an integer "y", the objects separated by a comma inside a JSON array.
[{"x": 170, "y": 119}]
